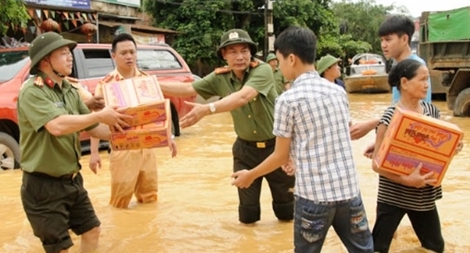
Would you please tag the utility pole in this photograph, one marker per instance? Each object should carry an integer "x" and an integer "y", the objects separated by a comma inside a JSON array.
[{"x": 268, "y": 28}]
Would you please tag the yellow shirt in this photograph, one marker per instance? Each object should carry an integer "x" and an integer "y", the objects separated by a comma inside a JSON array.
[
  {"x": 114, "y": 76},
  {"x": 82, "y": 92}
]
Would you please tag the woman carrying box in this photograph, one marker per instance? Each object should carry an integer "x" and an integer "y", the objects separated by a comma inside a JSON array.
[{"x": 411, "y": 194}]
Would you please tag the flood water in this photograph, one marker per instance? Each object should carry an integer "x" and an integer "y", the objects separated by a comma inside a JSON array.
[{"x": 197, "y": 206}]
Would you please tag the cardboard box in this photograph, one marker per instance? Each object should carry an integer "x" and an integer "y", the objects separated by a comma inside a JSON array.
[
  {"x": 140, "y": 97},
  {"x": 151, "y": 135},
  {"x": 412, "y": 138}
]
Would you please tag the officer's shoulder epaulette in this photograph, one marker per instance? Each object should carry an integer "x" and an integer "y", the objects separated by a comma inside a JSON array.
[
  {"x": 107, "y": 78},
  {"x": 72, "y": 79},
  {"x": 254, "y": 63},
  {"x": 142, "y": 73},
  {"x": 38, "y": 81},
  {"x": 222, "y": 70}
]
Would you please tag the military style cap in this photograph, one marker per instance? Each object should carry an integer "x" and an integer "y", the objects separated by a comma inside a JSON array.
[
  {"x": 45, "y": 44},
  {"x": 325, "y": 62},
  {"x": 236, "y": 36},
  {"x": 270, "y": 56}
]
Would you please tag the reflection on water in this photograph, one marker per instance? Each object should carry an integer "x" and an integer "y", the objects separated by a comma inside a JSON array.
[{"x": 197, "y": 207}]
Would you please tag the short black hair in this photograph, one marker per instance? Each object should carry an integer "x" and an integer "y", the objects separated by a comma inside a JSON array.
[
  {"x": 406, "y": 68},
  {"x": 120, "y": 38},
  {"x": 299, "y": 41},
  {"x": 398, "y": 24}
]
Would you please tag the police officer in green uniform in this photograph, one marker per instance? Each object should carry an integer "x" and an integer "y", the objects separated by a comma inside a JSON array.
[
  {"x": 246, "y": 88},
  {"x": 278, "y": 77},
  {"x": 50, "y": 115}
]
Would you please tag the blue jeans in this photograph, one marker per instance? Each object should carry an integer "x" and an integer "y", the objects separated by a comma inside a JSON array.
[{"x": 348, "y": 217}]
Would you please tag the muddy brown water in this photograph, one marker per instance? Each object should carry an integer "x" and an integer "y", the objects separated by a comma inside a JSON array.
[{"x": 196, "y": 209}]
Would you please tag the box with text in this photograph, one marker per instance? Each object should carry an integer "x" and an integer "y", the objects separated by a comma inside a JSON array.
[
  {"x": 413, "y": 138},
  {"x": 151, "y": 135},
  {"x": 140, "y": 97}
]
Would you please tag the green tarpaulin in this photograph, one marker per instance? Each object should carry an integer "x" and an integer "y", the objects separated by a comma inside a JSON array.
[{"x": 449, "y": 25}]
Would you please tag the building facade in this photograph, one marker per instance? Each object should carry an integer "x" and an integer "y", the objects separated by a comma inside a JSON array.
[{"x": 94, "y": 21}]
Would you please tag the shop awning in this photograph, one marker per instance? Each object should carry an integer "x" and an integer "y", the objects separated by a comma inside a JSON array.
[{"x": 136, "y": 27}]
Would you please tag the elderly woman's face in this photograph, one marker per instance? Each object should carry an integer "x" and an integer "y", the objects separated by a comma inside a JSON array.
[{"x": 418, "y": 85}]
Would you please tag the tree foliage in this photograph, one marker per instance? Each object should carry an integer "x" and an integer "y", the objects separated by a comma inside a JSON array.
[
  {"x": 361, "y": 20},
  {"x": 343, "y": 28},
  {"x": 202, "y": 22},
  {"x": 341, "y": 45},
  {"x": 314, "y": 14},
  {"x": 13, "y": 12}
]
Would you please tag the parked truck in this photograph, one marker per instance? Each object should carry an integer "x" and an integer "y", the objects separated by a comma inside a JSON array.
[{"x": 445, "y": 46}]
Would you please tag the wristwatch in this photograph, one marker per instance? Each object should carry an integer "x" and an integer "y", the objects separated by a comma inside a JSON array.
[{"x": 212, "y": 107}]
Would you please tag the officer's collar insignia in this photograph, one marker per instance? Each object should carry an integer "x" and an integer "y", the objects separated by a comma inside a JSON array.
[
  {"x": 233, "y": 35},
  {"x": 39, "y": 81},
  {"x": 49, "y": 82}
]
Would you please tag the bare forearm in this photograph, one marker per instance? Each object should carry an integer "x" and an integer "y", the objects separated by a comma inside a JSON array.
[
  {"x": 67, "y": 124},
  {"x": 269, "y": 165},
  {"x": 94, "y": 145},
  {"x": 177, "y": 89},
  {"x": 371, "y": 124},
  {"x": 99, "y": 133}
]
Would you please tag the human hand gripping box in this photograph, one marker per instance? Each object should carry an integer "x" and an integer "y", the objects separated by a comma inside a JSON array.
[
  {"x": 412, "y": 138},
  {"x": 152, "y": 135},
  {"x": 140, "y": 97}
]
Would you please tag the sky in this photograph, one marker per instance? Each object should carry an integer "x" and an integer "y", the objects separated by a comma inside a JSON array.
[{"x": 417, "y": 6}]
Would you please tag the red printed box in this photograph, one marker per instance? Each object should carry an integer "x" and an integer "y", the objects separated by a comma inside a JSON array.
[
  {"x": 151, "y": 135},
  {"x": 140, "y": 97},
  {"x": 412, "y": 138}
]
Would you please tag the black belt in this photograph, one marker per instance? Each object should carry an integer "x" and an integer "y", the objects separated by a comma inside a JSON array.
[
  {"x": 258, "y": 144},
  {"x": 66, "y": 176}
]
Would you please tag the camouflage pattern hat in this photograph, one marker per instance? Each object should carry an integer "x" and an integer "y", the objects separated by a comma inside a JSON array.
[
  {"x": 45, "y": 44},
  {"x": 236, "y": 36}
]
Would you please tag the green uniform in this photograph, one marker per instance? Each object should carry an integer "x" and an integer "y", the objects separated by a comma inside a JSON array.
[
  {"x": 253, "y": 121},
  {"x": 279, "y": 78},
  {"x": 40, "y": 101}
]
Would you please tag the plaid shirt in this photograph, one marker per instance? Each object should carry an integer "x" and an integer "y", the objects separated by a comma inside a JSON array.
[{"x": 314, "y": 113}]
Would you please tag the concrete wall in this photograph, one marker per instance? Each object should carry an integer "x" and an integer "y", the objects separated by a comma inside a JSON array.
[{"x": 114, "y": 9}]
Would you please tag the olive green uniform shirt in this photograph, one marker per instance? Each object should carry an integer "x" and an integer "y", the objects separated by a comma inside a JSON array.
[
  {"x": 253, "y": 121},
  {"x": 40, "y": 101},
  {"x": 279, "y": 78}
]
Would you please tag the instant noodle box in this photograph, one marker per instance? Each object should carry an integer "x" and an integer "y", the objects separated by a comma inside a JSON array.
[
  {"x": 412, "y": 138},
  {"x": 152, "y": 135},
  {"x": 140, "y": 97}
]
